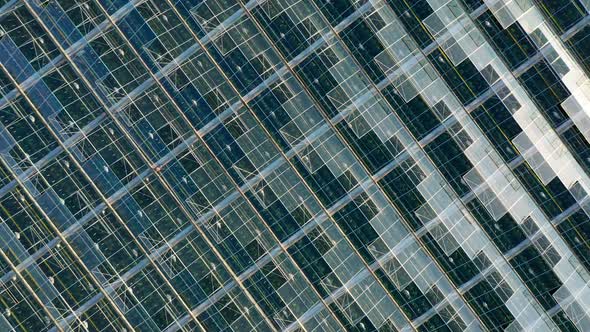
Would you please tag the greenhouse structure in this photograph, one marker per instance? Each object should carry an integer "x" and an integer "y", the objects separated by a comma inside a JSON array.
[{"x": 294, "y": 165}]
